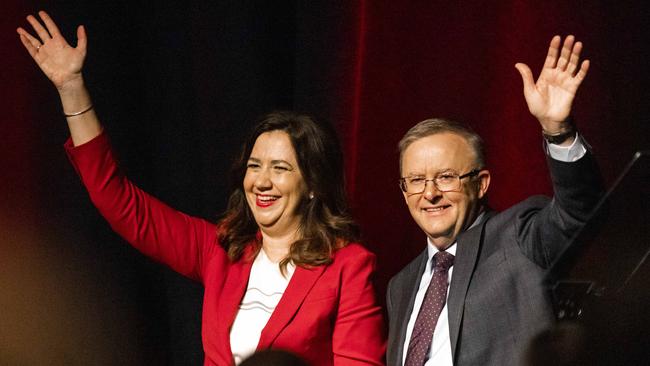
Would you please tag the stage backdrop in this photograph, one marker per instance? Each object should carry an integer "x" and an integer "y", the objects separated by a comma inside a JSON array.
[{"x": 178, "y": 86}]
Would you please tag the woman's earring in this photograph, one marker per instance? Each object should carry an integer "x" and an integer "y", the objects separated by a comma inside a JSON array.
[{"x": 311, "y": 195}]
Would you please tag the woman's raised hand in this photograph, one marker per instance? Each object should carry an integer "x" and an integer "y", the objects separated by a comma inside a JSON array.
[{"x": 60, "y": 62}]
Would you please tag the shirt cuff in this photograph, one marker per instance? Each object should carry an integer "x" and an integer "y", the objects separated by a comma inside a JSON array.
[{"x": 568, "y": 154}]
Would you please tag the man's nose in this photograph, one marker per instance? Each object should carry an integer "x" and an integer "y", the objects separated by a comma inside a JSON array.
[{"x": 430, "y": 190}]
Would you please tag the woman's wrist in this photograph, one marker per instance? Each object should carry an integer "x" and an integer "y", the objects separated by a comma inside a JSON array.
[
  {"x": 74, "y": 97},
  {"x": 71, "y": 88}
]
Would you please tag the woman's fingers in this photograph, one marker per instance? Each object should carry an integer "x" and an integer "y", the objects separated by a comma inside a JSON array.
[
  {"x": 82, "y": 40},
  {"x": 28, "y": 46},
  {"x": 49, "y": 23},
  {"x": 38, "y": 28},
  {"x": 33, "y": 41},
  {"x": 31, "y": 44}
]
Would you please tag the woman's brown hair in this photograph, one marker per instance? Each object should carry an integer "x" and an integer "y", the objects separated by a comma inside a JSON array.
[{"x": 326, "y": 224}]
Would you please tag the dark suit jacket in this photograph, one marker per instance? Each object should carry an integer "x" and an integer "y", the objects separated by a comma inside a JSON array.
[{"x": 496, "y": 301}]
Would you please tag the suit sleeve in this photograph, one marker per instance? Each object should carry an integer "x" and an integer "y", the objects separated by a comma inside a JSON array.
[
  {"x": 545, "y": 228},
  {"x": 182, "y": 242},
  {"x": 389, "y": 300},
  {"x": 359, "y": 333}
]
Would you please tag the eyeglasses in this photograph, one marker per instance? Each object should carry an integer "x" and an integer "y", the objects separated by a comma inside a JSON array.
[{"x": 444, "y": 182}]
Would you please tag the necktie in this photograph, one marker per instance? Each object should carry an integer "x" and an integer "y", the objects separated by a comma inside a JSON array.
[{"x": 434, "y": 301}]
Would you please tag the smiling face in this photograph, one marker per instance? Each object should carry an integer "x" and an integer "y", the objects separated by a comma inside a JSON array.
[
  {"x": 274, "y": 185},
  {"x": 443, "y": 215}
]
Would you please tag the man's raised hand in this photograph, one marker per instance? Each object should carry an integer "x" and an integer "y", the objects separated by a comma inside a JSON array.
[{"x": 551, "y": 97}]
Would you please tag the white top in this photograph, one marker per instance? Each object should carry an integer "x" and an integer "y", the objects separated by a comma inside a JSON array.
[
  {"x": 266, "y": 285},
  {"x": 440, "y": 350}
]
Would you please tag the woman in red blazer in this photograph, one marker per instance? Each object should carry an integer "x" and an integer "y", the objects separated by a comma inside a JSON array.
[{"x": 281, "y": 269}]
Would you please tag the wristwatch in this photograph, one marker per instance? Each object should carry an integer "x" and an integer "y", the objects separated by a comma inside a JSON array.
[{"x": 559, "y": 138}]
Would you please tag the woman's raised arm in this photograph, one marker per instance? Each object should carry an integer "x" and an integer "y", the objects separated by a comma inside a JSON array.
[{"x": 63, "y": 64}]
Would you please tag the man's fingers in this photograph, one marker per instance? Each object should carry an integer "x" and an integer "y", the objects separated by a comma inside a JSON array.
[
  {"x": 575, "y": 58},
  {"x": 526, "y": 77},
  {"x": 553, "y": 52},
  {"x": 49, "y": 23},
  {"x": 582, "y": 73},
  {"x": 565, "y": 53}
]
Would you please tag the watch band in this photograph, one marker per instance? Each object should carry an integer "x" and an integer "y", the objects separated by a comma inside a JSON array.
[{"x": 562, "y": 136}]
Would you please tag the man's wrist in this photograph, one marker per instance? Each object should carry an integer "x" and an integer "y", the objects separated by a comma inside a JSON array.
[
  {"x": 568, "y": 152},
  {"x": 566, "y": 133}
]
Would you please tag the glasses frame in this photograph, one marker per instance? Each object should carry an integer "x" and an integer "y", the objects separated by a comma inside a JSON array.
[{"x": 471, "y": 173}]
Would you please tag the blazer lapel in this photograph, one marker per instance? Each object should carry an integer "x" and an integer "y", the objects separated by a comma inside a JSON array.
[
  {"x": 301, "y": 283},
  {"x": 411, "y": 284},
  {"x": 467, "y": 252},
  {"x": 233, "y": 291}
]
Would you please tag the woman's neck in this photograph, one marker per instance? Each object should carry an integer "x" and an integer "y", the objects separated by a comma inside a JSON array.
[{"x": 277, "y": 247}]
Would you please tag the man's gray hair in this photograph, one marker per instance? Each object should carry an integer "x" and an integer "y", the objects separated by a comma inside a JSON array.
[{"x": 435, "y": 126}]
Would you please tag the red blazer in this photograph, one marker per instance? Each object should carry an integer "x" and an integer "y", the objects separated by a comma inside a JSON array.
[{"x": 328, "y": 314}]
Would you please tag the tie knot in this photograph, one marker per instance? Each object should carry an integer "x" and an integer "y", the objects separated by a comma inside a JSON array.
[{"x": 444, "y": 260}]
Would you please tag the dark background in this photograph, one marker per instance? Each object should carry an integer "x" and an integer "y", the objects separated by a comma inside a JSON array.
[{"x": 177, "y": 86}]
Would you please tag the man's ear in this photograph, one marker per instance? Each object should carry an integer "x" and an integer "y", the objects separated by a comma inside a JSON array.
[{"x": 483, "y": 182}]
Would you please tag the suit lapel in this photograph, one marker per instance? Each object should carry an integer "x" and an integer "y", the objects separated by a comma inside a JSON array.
[
  {"x": 467, "y": 252},
  {"x": 411, "y": 283},
  {"x": 301, "y": 283}
]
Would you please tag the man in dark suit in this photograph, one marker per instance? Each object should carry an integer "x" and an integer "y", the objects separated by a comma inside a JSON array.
[{"x": 489, "y": 264}]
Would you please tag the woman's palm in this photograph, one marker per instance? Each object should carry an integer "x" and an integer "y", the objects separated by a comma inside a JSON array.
[{"x": 60, "y": 62}]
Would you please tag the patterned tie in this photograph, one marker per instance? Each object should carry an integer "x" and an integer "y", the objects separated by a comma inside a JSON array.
[{"x": 434, "y": 301}]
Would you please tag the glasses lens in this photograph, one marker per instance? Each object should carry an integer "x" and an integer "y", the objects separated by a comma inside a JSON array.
[
  {"x": 415, "y": 184},
  {"x": 445, "y": 182},
  {"x": 448, "y": 185}
]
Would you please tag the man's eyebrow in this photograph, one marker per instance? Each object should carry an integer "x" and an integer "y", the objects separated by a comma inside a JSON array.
[{"x": 420, "y": 174}]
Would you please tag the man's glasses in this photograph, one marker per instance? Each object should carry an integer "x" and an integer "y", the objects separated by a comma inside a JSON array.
[{"x": 444, "y": 182}]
